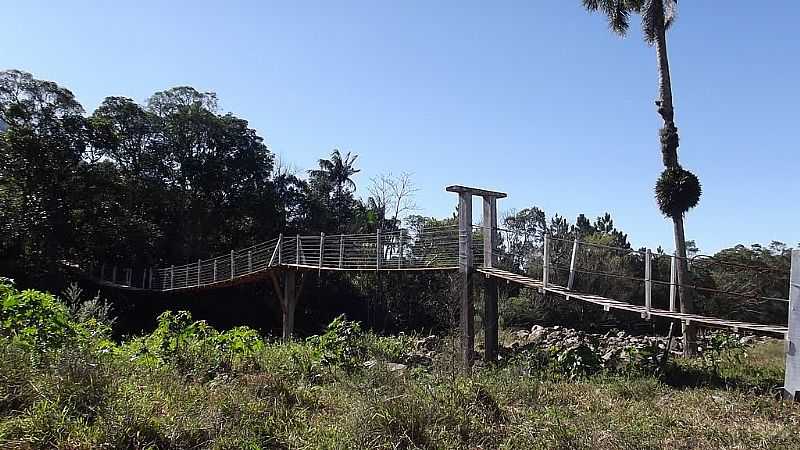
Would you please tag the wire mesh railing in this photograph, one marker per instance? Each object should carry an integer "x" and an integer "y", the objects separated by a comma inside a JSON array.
[
  {"x": 640, "y": 276},
  {"x": 434, "y": 248}
]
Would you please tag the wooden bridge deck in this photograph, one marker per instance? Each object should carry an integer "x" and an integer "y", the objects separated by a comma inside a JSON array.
[{"x": 609, "y": 304}]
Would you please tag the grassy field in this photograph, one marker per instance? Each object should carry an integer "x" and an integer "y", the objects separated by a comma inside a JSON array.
[
  {"x": 65, "y": 384},
  {"x": 283, "y": 399}
]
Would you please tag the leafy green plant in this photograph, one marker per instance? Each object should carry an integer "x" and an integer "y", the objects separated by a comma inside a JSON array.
[
  {"x": 576, "y": 359},
  {"x": 35, "y": 318},
  {"x": 722, "y": 348},
  {"x": 196, "y": 348},
  {"x": 342, "y": 344}
]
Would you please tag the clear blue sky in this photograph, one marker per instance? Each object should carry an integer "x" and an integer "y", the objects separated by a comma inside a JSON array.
[{"x": 535, "y": 98}]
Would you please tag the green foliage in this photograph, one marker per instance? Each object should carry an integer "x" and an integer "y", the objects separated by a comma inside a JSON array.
[
  {"x": 341, "y": 345},
  {"x": 195, "y": 348},
  {"x": 35, "y": 318},
  {"x": 677, "y": 191},
  {"x": 722, "y": 347}
]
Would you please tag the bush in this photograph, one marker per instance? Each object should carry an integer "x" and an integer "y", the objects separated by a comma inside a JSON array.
[
  {"x": 34, "y": 318},
  {"x": 196, "y": 348},
  {"x": 341, "y": 345}
]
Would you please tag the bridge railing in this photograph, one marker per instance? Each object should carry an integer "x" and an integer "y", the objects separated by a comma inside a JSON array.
[
  {"x": 644, "y": 277},
  {"x": 431, "y": 248}
]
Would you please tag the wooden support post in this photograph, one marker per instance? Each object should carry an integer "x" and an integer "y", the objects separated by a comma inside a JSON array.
[
  {"x": 198, "y": 273},
  {"x": 289, "y": 302},
  {"x": 791, "y": 383},
  {"x": 150, "y": 278},
  {"x": 546, "y": 261},
  {"x": 144, "y": 278},
  {"x": 172, "y": 277},
  {"x": 465, "y": 263},
  {"x": 233, "y": 266},
  {"x": 673, "y": 275},
  {"x": 299, "y": 254},
  {"x": 249, "y": 261},
  {"x": 128, "y": 276},
  {"x": 648, "y": 282},
  {"x": 378, "y": 249},
  {"x": 215, "y": 270},
  {"x": 491, "y": 331},
  {"x": 465, "y": 271},
  {"x": 573, "y": 262},
  {"x": 321, "y": 251},
  {"x": 341, "y": 251}
]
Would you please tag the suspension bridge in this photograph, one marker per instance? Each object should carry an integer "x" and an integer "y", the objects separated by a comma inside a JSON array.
[{"x": 463, "y": 248}]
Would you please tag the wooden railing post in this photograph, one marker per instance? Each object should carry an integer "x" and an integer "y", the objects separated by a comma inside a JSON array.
[
  {"x": 280, "y": 249},
  {"x": 341, "y": 251},
  {"x": 198, "y": 273},
  {"x": 114, "y": 274},
  {"x": 298, "y": 256},
  {"x": 546, "y": 261},
  {"x": 673, "y": 275},
  {"x": 648, "y": 282},
  {"x": 791, "y": 383},
  {"x": 172, "y": 276},
  {"x": 102, "y": 272},
  {"x": 233, "y": 266},
  {"x": 400, "y": 250},
  {"x": 215, "y": 270},
  {"x": 573, "y": 262},
  {"x": 321, "y": 250},
  {"x": 249, "y": 261},
  {"x": 150, "y": 279},
  {"x": 379, "y": 249}
]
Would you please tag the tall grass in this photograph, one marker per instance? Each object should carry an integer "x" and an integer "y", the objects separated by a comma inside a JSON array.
[{"x": 186, "y": 385}]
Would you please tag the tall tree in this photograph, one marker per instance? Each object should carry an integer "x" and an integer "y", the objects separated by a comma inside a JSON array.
[
  {"x": 677, "y": 189},
  {"x": 41, "y": 152},
  {"x": 335, "y": 175}
]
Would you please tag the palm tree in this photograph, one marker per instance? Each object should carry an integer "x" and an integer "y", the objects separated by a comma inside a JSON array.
[
  {"x": 677, "y": 189},
  {"x": 338, "y": 172}
]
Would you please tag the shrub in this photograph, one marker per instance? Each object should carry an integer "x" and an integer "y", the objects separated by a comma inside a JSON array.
[
  {"x": 342, "y": 344},
  {"x": 196, "y": 348},
  {"x": 35, "y": 318}
]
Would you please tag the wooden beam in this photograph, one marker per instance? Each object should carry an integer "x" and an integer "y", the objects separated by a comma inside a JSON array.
[{"x": 475, "y": 191}]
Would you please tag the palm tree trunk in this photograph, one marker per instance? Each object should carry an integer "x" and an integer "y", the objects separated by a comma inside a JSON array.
[{"x": 669, "y": 154}]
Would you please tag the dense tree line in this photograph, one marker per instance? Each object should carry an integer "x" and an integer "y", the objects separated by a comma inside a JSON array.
[{"x": 176, "y": 179}]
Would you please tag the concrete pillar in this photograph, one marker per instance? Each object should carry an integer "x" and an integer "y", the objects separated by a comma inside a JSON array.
[{"x": 791, "y": 383}]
